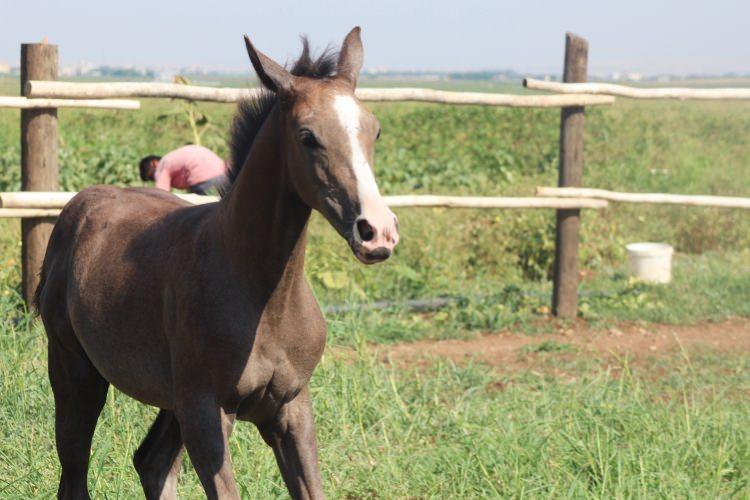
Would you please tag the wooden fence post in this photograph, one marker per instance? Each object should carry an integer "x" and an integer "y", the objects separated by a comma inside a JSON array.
[
  {"x": 39, "y": 164},
  {"x": 565, "y": 289}
]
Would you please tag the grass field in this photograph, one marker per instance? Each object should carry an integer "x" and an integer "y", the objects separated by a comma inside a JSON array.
[
  {"x": 443, "y": 431},
  {"x": 673, "y": 426}
]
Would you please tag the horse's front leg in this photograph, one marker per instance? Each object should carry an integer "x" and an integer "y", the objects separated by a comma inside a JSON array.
[
  {"x": 291, "y": 434},
  {"x": 205, "y": 430}
]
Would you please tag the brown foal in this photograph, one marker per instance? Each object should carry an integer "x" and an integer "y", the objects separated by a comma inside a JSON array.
[{"x": 204, "y": 311}]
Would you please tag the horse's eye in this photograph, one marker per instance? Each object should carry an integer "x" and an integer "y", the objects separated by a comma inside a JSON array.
[
  {"x": 378, "y": 136},
  {"x": 308, "y": 139}
]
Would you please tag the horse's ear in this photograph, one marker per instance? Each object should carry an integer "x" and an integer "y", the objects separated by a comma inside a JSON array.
[
  {"x": 272, "y": 75},
  {"x": 350, "y": 58}
]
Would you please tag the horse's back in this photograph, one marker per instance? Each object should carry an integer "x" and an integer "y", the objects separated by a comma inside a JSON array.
[
  {"x": 101, "y": 216},
  {"x": 112, "y": 203},
  {"x": 93, "y": 204}
]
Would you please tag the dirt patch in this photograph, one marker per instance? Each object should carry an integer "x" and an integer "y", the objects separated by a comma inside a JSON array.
[{"x": 641, "y": 344}]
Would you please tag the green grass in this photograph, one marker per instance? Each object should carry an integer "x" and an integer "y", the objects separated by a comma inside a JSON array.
[
  {"x": 448, "y": 431},
  {"x": 442, "y": 431}
]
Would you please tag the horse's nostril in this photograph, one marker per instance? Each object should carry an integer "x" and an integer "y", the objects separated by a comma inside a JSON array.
[{"x": 365, "y": 230}]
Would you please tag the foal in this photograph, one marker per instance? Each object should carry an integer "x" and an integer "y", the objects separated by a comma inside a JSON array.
[{"x": 204, "y": 311}]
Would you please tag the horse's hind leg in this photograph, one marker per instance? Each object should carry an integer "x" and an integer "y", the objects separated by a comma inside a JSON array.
[
  {"x": 80, "y": 392},
  {"x": 159, "y": 457}
]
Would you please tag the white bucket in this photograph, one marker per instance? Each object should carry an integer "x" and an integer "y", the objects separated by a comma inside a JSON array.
[{"x": 651, "y": 262}]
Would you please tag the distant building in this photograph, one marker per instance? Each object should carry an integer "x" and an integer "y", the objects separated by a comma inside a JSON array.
[
  {"x": 164, "y": 75},
  {"x": 80, "y": 69},
  {"x": 634, "y": 77}
]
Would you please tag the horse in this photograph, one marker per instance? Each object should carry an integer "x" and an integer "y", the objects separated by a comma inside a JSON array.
[{"x": 204, "y": 311}]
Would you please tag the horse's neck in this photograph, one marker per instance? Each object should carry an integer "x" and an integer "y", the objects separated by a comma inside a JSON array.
[{"x": 264, "y": 223}]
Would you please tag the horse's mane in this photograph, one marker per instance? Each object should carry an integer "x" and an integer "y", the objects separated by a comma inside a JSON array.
[{"x": 251, "y": 113}]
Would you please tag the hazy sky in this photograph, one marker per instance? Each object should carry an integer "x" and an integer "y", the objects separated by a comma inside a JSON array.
[{"x": 649, "y": 36}]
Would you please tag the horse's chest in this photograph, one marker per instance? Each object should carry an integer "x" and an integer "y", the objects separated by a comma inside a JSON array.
[{"x": 279, "y": 367}]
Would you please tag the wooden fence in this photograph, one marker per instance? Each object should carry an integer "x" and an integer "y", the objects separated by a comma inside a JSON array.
[
  {"x": 36, "y": 203},
  {"x": 39, "y": 202},
  {"x": 636, "y": 92},
  {"x": 26, "y": 103},
  {"x": 30, "y": 204},
  {"x": 70, "y": 90}
]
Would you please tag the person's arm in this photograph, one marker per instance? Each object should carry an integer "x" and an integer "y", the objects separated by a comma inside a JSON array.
[{"x": 163, "y": 178}]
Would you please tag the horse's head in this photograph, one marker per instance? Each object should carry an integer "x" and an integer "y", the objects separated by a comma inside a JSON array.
[{"x": 330, "y": 149}]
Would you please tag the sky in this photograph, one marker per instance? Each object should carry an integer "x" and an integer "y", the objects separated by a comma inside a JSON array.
[{"x": 646, "y": 36}]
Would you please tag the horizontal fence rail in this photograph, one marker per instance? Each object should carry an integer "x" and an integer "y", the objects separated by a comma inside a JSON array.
[
  {"x": 43, "y": 204},
  {"x": 103, "y": 90},
  {"x": 507, "y": 100},
  {"x": 546, "y": 197},
  {"x": 612, "y": 89},
  {"x": 657, "y": 198},
  {"x": 75, "y": 90},
  {"x": 428, "y": 200},
  {"x": 28, "y": 213},
  {"x": 25, "y": 103},
  {"x": 58, "y": 199}
]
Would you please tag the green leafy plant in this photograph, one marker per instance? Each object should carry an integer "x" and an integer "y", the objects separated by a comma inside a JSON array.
[
  {"x": 196, "y": 119},
  {"x": 532, "y": 241}
]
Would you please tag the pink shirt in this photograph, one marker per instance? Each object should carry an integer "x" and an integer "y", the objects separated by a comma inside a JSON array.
[{"x": 188, "y": 166}]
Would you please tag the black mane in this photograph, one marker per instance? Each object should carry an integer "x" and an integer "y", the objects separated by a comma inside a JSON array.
[{"x": 251, "y": 113}]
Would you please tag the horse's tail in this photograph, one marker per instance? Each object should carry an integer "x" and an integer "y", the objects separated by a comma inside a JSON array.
[
  {"x": 38, "y": 292},
  {"x": 47, "y": 263}
]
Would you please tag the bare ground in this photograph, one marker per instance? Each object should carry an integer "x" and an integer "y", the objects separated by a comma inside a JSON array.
[{"x": 640, "y": 344}]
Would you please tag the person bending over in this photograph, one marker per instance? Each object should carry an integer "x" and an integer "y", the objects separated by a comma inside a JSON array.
[{"x": 193, "y": 168}]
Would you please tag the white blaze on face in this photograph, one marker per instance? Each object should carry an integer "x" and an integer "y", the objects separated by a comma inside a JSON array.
[
  {"x": 374, "y": 210},
  {"x": 347, "y": 111}
]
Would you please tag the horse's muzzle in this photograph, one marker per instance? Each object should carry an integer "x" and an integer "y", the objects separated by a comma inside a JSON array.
[
  {"x": 375, "y": 238},
  {"x": 378, "y": 255}
]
